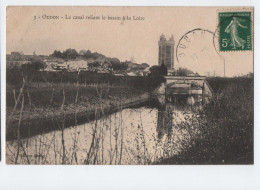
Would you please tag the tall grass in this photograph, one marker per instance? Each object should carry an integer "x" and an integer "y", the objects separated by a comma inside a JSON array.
[
  {"x": 109, "y": 140},
  {"x": 220, "y": 133},
  {"x": 225, "y": 128}
]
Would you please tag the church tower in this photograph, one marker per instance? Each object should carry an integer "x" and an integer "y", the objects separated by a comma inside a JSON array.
[{"x": 166, "y": 52}]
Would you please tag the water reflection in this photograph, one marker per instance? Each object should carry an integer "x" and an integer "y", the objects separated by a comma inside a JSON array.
[
  {"x": 164, "y": 121},
  {"x": 131, "y": 136}
]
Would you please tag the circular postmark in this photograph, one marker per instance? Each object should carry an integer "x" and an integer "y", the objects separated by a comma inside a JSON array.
[
  {"x": 196, "y": 52},
  {"x": 186, "y": 40}
]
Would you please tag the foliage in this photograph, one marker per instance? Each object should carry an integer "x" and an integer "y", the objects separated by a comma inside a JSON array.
[
  {"x": 70, "y": 54},
  {"x": 14, "y": 78},
  {"x": 94, "y": 64},
  {"x": 73, "y": 54},
  {"x": 57, "y": 54},
  {"x": 183, "y": 72},
  {"x": 220, "y": 83},
  {"x": 34, "y": 65},
  {"x": 117, "y": 65},
  {"x": 158, "y": 70},
  {"x": 221, "y": 133},
  {"x": 67, "y": 54},
  {"x": 27, "y": 70},
  {"x": 98, "y": 59}
]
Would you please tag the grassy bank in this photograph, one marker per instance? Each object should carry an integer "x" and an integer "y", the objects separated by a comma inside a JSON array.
[
  {"x": 225, "y": 126},
  {"x": 15, "y": 76},
  {"x": 45, "y": 107}
]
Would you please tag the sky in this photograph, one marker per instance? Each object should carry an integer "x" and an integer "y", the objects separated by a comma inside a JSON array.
[{"x": 126, "y": 39}]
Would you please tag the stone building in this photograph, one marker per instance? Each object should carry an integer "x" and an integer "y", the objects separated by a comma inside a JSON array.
[{"x": 166, "y": 52}]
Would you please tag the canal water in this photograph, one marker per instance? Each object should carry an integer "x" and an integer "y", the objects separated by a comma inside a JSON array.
[{"x": 142, "y": 135}]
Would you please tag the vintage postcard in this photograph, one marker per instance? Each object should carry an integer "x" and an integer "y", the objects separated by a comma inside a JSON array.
[{"x": 129, "y": 85}]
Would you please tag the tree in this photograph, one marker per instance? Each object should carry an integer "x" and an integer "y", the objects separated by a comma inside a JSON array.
[
  {"x": 82, "y": 52},
  {"x": 73, "y": 54},
  {"x": 158, "y": 70},
  {"x": 124, "y": 66},
  {"x": 183, "y": 72},
  {"x": 154, "y": 70},
  {"x": 117, "y": 65},
  {"x": 70, "y": 54},
  {"x": 94, "y": 64},
  {"x": 57, "y": 54},
  {"x": 163, "y": 70},
  {"x": 95, "y": 55},
  {"x": 29, "y": 69},
  {"x": 33, "y": 66}
]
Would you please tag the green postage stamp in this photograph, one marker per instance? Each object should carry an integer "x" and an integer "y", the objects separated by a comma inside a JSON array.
[{"x": 235, "y": 31}]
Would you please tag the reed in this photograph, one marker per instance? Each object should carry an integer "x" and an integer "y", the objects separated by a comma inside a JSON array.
[{"x": 220, "y": 132}]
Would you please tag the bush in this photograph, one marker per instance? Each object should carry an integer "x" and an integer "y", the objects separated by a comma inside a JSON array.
[{"x": 225, "y": 126}]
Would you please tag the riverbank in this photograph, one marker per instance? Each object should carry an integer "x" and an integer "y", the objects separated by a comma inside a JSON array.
[
  {"x": 225, "y": 127},
  {"x": 51, "y": 108}
]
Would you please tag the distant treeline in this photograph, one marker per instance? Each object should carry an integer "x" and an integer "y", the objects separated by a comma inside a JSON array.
[
  {"x": 84, "y": 77},
  {"x": 73, "y": 54},
  {"x": 219, "y": 83},
  {"x": 97, "y": 59}
]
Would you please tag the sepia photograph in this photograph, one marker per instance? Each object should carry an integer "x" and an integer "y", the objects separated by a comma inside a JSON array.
[{"x": 129, "y": 85}]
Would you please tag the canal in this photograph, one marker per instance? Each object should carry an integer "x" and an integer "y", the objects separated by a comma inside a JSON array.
[{"x": 141, "y": 135}]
